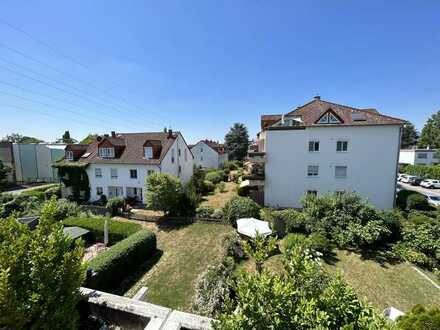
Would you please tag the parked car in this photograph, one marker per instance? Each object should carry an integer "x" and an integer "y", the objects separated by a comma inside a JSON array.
[
  {"x": 408, "y": 179},
  {"x": 430, "y": 183},
  {"x": 416, "y": 181},
  {"x": 400, "y": 176},
  {"x": 433, "y": 200}
]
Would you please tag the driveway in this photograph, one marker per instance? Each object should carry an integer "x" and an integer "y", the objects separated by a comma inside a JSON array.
[{"x": 425, "y": 191}]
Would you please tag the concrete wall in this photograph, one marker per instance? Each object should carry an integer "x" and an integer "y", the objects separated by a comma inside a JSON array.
[
  {"x": 371, "y": 162},
  {"x": 205, "y": 156},
  {"x": 186, "y": 163}
]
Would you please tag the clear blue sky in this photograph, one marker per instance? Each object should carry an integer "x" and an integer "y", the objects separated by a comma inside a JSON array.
[{"x": 200, "y": 66}]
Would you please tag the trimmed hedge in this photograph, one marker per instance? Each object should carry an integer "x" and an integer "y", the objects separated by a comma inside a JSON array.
[
  {"x": 117, "y": 230},
  {"x": 121, "y": 260},
  {"x": 430, "y": 172},
  {"x": 404, "y": 196}
]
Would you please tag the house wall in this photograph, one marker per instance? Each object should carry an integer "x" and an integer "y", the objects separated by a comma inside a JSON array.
[
  {"x": 414, "y": 157},
  {"x": 371, "y": 162},
  {"x": 187, "y": 165},
  {"x": 407, "y": 157},
  {"x": 205, "y": 156}
]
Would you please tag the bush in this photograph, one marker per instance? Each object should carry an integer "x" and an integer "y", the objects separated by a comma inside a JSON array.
[
  {"x": 189, "y": 199},
  {"x": 232, "y": 165},
  {"x": 293, "y": 220},
  {"x": 221, "y": 186},
  {"x": 208, "y": 186},
  {"x": 293, "y": 240},
  {"x": 215, "y": 176},
  {"x": 205, "y": 211},
  {"x": 402, "y": 197},
  {"x": 233, "y": 246},
  {"x": 117, "y": 230},
  {"x": 38, "y": 194},
  {"x": 121, "y": 260},
  {"x": 431, "y": 172},
  {"x": 240, "y": 207},
  {"x": 53, "y": 191},
  {"x": 197, "y": 180},
  {"x": 420, "y": 318},
  {"x": 21, "y": 205},
  {"x": 218, "y": 214},
  {"x": 277, "y": 221},
  {"x": 66, "y": 209},
  {"x": 114, "y": 204},
  {"x": 164, "y": 192},
  {"x": 417, "y": 202},
  {"x": 319, "y": 242}
]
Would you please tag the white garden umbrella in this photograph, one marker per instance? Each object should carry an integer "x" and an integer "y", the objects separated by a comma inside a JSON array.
[{"x": 251, "y": 226}]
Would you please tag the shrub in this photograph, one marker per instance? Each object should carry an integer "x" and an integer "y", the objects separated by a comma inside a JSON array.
[
  {"x": 221, "y": 186},
  {"x": 53, "y": 191},
  {"x": 215, "y": 176},
  {"x": 240, "y": 207},
  {"x": 163, "y": 192},
  {"x": 243, "y": 191},
  {"x": 293, "y": 240},
  {"x": 204, "y": 211},
  {"x": 38, "y": 194},
  {"x": 232, "y": 165},
  {"x": 21, "y": 205},
  {"x": 402, "y": 197},
  {"x": 278, "y": 222},
  {"x": 189, "y": 199},
  {"x": 233, "y": 246},
  {"x": 112, "y": 266},
  {"x": 66, "y": 209},
  {"x": 293, "y": 219},
  {"x": 197, "y": 180},
  {"x": 432, "y": 172},
  {"x": 208, "y": 186},
  {"x": 319, "y": 242},
  {"x": 114, "y": 204},
  {"x": 420, "y": 318},
  {"x": 417, "y": 202},
  {"x": 117, "y": 230},
  {"x": 217, "y": 214}
]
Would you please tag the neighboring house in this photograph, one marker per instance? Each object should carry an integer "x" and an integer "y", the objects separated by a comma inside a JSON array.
[
  {"x": 32, "y": 162},
  {"x": 418, "y": 156},
  {"x": 118, "y": 164},
  {"x": 209, "y": 154},
  {"x": 7, "y": 158},
  {"x": 323, "y": 147}
]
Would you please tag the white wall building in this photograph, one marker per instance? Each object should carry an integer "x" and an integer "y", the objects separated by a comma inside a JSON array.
[
  {"x": 418, "y": 157},
  {"x": 119, "y": 164},
  {"x": 209, "y": 154},
  {"x": 324, "y": 147}
]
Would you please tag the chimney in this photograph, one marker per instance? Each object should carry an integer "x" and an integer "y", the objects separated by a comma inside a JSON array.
[
  {"x": 317, "y": 97},
  {"x": 170, "y": 133},
  {"x": 113, "y": 134}
]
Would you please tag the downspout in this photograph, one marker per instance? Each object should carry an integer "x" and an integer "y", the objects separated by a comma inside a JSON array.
[{"x": 399, "y": 144}]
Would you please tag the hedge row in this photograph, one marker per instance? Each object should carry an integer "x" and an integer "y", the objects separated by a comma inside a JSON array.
[
  {"x": 121, "y": 260},
  {"x": 117, "y": 230},
  {"x": 429, "y": 172}
]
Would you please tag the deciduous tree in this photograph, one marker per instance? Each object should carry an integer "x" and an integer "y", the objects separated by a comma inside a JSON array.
[
  {"x": 18, "y": 138},
  {"x": 430, "y": 135},
  {"x": 237, "y": 142}
]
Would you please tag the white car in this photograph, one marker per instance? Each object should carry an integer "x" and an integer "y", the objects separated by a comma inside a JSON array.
[
  {"x": 408, "y": 178},
  {"x": 429, "y": 183},
  {"x": 400, "y": 176},
  {"x": 433, "y": 200}
]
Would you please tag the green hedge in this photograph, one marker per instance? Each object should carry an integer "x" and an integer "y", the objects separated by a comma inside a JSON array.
[
  {"x": 121, "y": 260},
  {"x": 117, "y": 230},
  {"x": 429, "y": 172}
]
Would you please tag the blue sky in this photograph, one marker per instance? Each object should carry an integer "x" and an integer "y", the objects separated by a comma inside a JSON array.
[{"x": 200, "y": 66}]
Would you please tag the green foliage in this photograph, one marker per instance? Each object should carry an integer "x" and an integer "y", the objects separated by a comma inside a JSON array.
[
  {"x": 163, "y": 192},
  {"x": 208, "y": 186},
  {"x": 189, "y": 200},
  {"x": 204, "y": 211},
  {"x": 409, "y": 136},
  {"x": 122, "y": 259},
  {"x": 66, "y": 138},
  {"x": 89, "y": 139},
  {"x": 221, "y": 186},
  {"x": 240, "y": 207},
  {"x": 417, "y": 202},
  {"x": 260, "y": 249},
  {"x": 315, "y": 241},
  {"x": 402, "y": 198},
  {"x": 197, "y": 180},
  {"x": 66, "y": 209},
  {"x": 215, "y": 176},
  {"x": 420, "y": 318},
  {"x": 114, "y": 204},
  {"x": 20, "y": 204},
  {"x": 232, "y": 165},
  {"x": 294, "y": 239},
  {"x": 237, "y": 142},
  {"x": 430, "y": 135},
  {"x": 117, "y": 230},
  {"x": 243, "y": 191},
  {"x": 233, "y": 246},
  {"x": 4, "y": 171},
  {"x": 18, "y": 138},
  {"x": 73, "y": 175},
  {"x": 40, "y": 274},
  {"x": 429, "y": 172}
]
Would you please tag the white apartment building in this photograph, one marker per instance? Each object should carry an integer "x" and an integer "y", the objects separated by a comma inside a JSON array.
[
  {"x": 209, "y": 154},
  {"x": 323, "y": 147},
  {"x": 418, "y": 157},
  {"x": 118, "y": 164}
]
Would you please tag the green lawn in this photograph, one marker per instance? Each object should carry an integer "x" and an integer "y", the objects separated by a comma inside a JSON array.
[
  {"x": 381, "y": 283},
  {"x": 186, "y": 251}
]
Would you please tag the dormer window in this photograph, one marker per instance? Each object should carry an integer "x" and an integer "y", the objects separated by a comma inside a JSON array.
[
  {"x": 148, "y": 152},
  {"x": 69, "y": 155},
  {"x": 329, "y": 118},
  {"x": 106, "y": 152}
]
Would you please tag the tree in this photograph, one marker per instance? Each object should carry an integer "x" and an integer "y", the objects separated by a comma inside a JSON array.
[
  {"x": 4, "y": 170},
  {"x": 164, "y": 192},
  {"x": 40, "y": 274},
  {"x": 89, "y": 139},
  {"x": 430, "y": 135},
  {"x": 237, "y": 142},
  {"x": 18, "y": 138},
  {"x": 66, "y": 138},
  {"x": 409, "y": 136},
  {"x": 420, "y": 318},
  {"x": 260, "y": 249}
]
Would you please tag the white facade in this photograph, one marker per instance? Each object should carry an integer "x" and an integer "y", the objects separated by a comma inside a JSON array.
[
  {"x": 128, "y": 180},
  {"x": 418, "y": 157},
  {"x": 368, "y": 167},
  {"x": 206, "y": 157}
]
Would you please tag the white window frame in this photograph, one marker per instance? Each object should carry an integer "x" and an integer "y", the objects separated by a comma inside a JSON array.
[
  {"x": 341, "y": 167},
  {"x": 312, "y": 171},
  {"x": 98, "y": 173},
  {"x": 342, "y": 142},
  {"x": 148, "y": 152},
  {"x": 312, "y": 146},
  {"x": 112, "y": 171},
  {"x": 106, "y": 152},
  {"x": 69, "y": 155}
]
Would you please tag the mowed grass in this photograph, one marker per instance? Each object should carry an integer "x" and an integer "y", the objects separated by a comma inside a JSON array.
[
  {"x": 218, "y": 199},
  {"x": 186, "y": 250}
]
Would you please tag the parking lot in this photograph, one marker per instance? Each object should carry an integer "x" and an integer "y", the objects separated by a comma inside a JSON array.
[{"x": 419, "y": 189}]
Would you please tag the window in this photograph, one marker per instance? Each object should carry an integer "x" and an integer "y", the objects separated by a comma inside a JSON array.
[
  {"x": 312, "y": 170},
  {"x": 329, "y": 118},
  {"x": 133, "y": 174},
  {"x": 99, "y": 191},
  {"x": 422, "y": 155},
  {"x": 172, "y": 156},
  {"x": 201, "y": 149},
  {"x": 114, "y": 173},
  {"x": 312, "y": 192},
  {"x": 106, "y": 152},
  {"x": 313, "y": 146},
  {"x": 186, "y": 154},
  {"x": 98, "y": 173},
  {"x": 342, "y": 146},
  {"x": 148, "y": 152},
  {"x": 114, "y": 191},
  {"x": 201, "y": 158},
  {"x": 69, "y": 155},
  {"x": 340, "y": 172},
  {"x": 179, "y": 152},
  {"x": 180, "y": 169},
  {"x": 149, "y": 172}
]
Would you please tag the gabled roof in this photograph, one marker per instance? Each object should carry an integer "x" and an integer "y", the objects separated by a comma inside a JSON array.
[
  {"x": 312, "y": 111},
  {"x": 217, "y": 147},
  {"x": 133, "y": 151}
]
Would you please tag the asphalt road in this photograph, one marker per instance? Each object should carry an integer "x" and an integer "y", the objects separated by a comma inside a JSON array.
[{"x": 419, "y": 189}]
